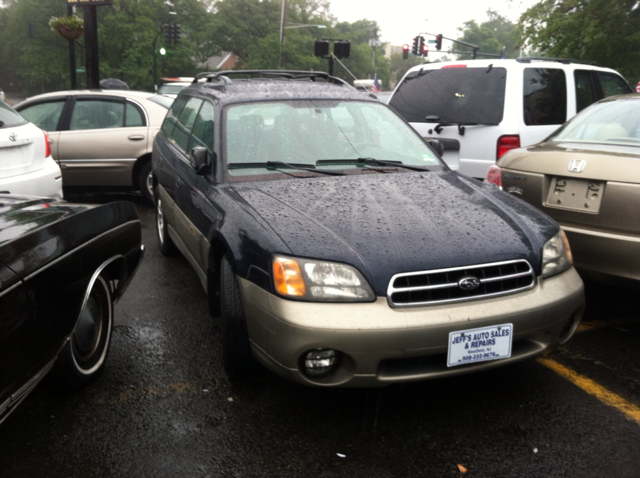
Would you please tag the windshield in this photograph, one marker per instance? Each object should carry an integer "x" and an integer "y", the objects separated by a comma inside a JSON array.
[
  {"x": 320, "y": 134},
  {"x": 171, "y": 89},
  {"x": 452, "y": 95},
  {"x": 615, "y": 122}
]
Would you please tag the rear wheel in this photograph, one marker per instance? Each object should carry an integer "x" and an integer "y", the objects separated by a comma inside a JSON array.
[
  {"x": 83, "y": 357},
  {"x": 145, "y": 181},
  {"x": 167, "y": 247},
  {"x": 236, "y": 352}
]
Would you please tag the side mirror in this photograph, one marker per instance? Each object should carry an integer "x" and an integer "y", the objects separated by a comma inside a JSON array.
[
  {"x": 198, "y": 159},
  {"x": 437, "y": 146}
]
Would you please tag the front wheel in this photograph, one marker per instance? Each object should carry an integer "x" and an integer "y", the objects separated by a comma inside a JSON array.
[
  {"x": 236, "y": 352},
  {"x": 83, "y": 357}
]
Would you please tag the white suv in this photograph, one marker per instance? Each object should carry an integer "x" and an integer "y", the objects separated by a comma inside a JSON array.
[{"x": 479, "y": 109}]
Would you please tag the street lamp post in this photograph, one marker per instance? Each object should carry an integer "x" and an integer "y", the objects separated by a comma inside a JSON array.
[{"x": 284, "y": 27}]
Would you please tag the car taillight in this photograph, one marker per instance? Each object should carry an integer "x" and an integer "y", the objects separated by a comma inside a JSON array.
[
  {"x": 47, "y": 145},
  {"x": 494, "y": 175},
  {"x": 507, "y": 142}
]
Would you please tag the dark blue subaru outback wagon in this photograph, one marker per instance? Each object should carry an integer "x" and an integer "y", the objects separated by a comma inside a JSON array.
[{"x": 338, "y": 249}]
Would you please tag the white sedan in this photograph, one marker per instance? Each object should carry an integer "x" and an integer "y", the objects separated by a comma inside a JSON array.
[{"x": 26, "y": 165}]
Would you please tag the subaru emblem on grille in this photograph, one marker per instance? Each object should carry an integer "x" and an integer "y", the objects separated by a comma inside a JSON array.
[
  {"x": 577, "y": 165},
  {"x": 13, "y": 136},
  {"x": 469, "y": 283}
]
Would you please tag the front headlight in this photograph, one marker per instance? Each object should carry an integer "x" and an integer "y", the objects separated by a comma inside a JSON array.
[
  {"x": 321, "y": 281},
  {"x": 556, "y": 255}
]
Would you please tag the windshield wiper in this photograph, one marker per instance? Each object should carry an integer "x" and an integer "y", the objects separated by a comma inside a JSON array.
[
  {"x": 370, "y": 162},
  {"x": 271, "y": 165}
]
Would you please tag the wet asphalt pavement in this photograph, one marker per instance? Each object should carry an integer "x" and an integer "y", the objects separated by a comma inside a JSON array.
[{"x": 164, "y": 408}]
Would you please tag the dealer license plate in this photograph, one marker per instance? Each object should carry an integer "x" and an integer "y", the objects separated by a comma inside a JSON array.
[{"x": 479, "y": 345}]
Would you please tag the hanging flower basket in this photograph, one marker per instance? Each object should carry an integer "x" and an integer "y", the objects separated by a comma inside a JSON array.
[
  {"x": 69, "y": 33},
  {"x": 69, "y": 27}
]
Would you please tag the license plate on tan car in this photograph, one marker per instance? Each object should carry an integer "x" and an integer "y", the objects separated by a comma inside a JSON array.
[{"x": 479, "y": 345}]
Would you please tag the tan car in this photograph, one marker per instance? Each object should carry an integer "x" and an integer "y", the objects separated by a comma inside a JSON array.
[
  {"x": 587, "y": 177},
  {"x": 100, "y": 138}
]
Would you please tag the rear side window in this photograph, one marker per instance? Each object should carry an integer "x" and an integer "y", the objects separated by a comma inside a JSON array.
[
  {"x": 613, "y": 84},
  {"x": 97, "y": 114},
  {"x": 133, "y": 116},
  {"x": 44, "y": 115},
  {"x": 452, "y": 95},
  {"x": 545, "y": 96},
  {"x": 585, "y": 92}
]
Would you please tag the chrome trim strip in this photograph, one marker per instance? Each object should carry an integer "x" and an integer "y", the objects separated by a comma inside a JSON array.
[
  {"x": 14, "y": 400},
  {"x": 33, "y": 274}
]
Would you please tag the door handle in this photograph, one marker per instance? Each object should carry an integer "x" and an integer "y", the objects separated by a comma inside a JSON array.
[{"x": 136, "y": 137}]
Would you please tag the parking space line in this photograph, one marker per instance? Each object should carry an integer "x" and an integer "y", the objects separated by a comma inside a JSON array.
[{"x": 631, "y": 411}]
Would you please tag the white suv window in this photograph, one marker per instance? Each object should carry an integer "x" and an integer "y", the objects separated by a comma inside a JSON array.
[{"x": 545, "y": 96}]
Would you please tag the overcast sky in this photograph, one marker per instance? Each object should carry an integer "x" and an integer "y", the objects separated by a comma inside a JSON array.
[{"x": 401, "y": 20}]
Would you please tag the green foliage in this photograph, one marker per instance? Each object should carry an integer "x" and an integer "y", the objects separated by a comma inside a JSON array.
[
  {"x": 491, "y": 36},
  {"x": 130, "y": 34},
  {"x": 606, "y": 32},
  {"x": 398, "y": 66}
]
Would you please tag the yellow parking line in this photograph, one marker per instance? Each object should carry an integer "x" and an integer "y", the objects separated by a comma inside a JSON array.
[
  {"x": 631, "y": 411},
  {"x": 600, "y": 324}
]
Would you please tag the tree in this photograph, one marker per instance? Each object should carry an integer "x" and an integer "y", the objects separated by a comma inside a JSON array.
[
  {"x": 606, "y": 32},
  {"x": 35, "y": 64},
  {"x": 129, "y": 32},
  {"x": 492, "y": 35},
  {"x": 398, "y": 66}
]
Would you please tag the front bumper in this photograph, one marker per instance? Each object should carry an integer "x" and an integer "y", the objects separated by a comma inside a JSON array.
[{"x": 380, "y": 345}]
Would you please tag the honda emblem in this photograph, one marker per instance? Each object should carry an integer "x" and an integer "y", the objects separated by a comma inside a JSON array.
[{"x": 577, "y": 165}]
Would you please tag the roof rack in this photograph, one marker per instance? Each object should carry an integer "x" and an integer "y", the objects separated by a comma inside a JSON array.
[
  {"x": 566, "y": 61},
  {"x": 284, "y": 74}
]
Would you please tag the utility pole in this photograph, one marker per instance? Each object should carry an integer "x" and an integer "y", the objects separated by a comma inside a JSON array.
[{"x": 92, "y": 62}]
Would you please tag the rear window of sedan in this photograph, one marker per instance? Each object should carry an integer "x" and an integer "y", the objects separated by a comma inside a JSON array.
[
  {"x": 9, "y": 117},
  {"x": 616, "y": 121}
]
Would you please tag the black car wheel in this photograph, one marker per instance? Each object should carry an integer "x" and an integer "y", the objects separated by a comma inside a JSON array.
[
  {"x": 236, "y": 352},
  {"x": 145, "y": 181},
  {"x": 84, "y": 356},
  {"x": 167, "y": 247}
]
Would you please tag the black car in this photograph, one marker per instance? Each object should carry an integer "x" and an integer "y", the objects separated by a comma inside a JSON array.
[
  {"x": 337, "y": 247},
  {"x": 62, "y": 268}
]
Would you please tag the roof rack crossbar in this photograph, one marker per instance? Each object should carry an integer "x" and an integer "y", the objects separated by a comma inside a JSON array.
[
  {"x": 286, "y": 74},
  {"x": 529, "y": 59}
]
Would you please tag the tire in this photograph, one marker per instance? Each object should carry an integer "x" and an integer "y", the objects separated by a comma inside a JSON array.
[
  {"x": 236, "y": 352},
  {"x": 145, "y": 181},
  {"x": 167, "y": 247},
  {"x": 84, "y": 356}
]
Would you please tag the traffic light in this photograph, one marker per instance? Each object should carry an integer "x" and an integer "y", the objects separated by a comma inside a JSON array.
[
  {"x": 420, "y": 47},
  {"x": 425, "y": 50},
  {"x": 438, "y": 41},
  {"x": 405, "y": 51},
  {"x": 32, "y": 28},
  {"x": 176, "y": 33},
  {"x": 341, "y": 49},
  {"x": 321, "y": 48},
  {"x": 414, "y": 47},
  {"x": 168, "y": 32}
]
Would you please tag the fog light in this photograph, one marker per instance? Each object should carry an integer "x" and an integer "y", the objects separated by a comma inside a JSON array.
[{"x": 320, "y": 362}]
